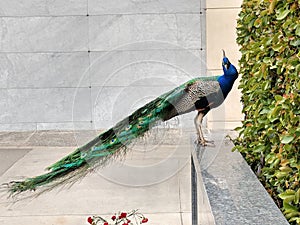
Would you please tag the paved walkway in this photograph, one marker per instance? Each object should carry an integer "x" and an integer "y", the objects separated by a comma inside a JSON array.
[{"x": 154, "y": 178}]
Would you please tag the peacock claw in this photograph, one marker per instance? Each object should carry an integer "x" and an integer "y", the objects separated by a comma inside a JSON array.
[
  {"x": 210, "y": 141},
  {"x": 204, "y": 142}
]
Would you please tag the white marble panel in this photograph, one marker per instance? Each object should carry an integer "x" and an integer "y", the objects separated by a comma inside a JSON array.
[
  {"x": 190, "y": 30},
  {"x": 146, "y": 68},
  {"x": 35, "y": 34},
  {"x": 17, "y": 127},
  {"x": 65, "y": 126},
  {"x": 6, "y": 68},
  {"x": 112, "y": 104},
  {"x": 4, "y": 106},
  {"x": 46, "y": 69},
  {"x": 97, "y": 7},
  {"x": 42, "y": 7},
  {"x": 125, "y": 31},
  {"x": 49, "y": 105}
]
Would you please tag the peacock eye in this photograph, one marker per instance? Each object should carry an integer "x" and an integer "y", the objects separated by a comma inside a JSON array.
[
  {"x": 83, "y": 155},
  {"x": 112, "y": 141}
]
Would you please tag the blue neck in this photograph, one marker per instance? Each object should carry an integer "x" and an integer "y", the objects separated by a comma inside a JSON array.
[
  {"x": 226, "y": 82},
  {"x": 230, "y": 74}
]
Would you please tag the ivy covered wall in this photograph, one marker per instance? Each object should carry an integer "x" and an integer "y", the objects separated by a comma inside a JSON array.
[{"x": 269, "y": 38}]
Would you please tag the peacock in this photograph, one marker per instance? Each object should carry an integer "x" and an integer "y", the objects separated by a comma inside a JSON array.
[{"x": 200, "y": 94}]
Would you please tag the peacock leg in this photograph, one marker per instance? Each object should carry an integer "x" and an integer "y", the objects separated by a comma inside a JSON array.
[{"x": 198, "y": 124}]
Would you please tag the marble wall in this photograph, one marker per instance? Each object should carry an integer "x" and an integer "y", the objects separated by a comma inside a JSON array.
[{"x": 84, "y": 64}]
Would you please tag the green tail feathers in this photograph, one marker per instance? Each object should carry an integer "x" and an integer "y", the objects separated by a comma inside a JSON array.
[{"x": 106, "y": 146}]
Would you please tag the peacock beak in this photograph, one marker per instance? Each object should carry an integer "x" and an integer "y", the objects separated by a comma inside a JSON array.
[{"x": 225, "y": 63}]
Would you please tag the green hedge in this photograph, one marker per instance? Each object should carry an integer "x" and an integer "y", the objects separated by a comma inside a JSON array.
[{"x": 269, "y": 139}]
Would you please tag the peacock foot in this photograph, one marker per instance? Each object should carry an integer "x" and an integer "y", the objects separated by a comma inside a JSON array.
[{"x": 204, "y": 142}]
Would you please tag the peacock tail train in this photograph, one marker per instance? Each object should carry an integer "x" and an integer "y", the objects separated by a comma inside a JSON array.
[{"x": 111, "y": 143}]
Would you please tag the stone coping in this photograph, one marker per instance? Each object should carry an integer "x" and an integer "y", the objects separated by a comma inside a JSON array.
[{"x": 235, "y": 194}]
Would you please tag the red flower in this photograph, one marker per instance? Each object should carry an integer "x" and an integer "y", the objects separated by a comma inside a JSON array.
[
  {"x": 106, "y": 223},
  {"x": 113, "y": 218},
  {"x": 145, "y": 220},
  {"x": 90, "y": 220},
  {"x": 125, "y": 224},
  {"x": 123, "y": 215},
  {"x": 128, "y": 221}
]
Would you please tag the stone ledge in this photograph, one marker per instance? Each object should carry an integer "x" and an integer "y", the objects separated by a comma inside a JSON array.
[{"x": 235, "y": 194}]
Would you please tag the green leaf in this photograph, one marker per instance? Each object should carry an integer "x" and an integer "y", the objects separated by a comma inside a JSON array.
[
  {"x": 286, "y": 169},
  {"x": 296, "y": 219},
  {"x": 264, "y": 111},
  {"x": 297, "y": 196},
  {"x": 286, "y": 139},
  {"x": 267, "y": 60},
  {"x": 278, "y": 47},
  {"x": 278, "y": 98},
  {"x": 272, "y": 6},
  {"x": 282, "y": 14},
  {"x": 259, "y": 148},
  {"x": 295, "y": 42},
  {"x": 297, "y": 32},
  {"x": 289, "y": 208},
  {"x": 291, "y": 215},
  {"x": 280, "y": 175}
]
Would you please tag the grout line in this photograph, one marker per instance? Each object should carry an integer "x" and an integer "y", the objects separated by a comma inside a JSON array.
[
  {"x": 202, "y": 5},
  {"x": 87, "y": 7},
  {"x": 229, "y": 7},
  {"x": 41, "y": 16},
  {"x": 89, "y": 72},
  {"x": 203, "y": 34},
  {"x": 40, "y": 88},
  {"x": 94, "y": 86},
  {"x": 104, "y": 51},
  {"x": 39, "y": 122},
  {"x": 43, "y": 52},
  {"x": 225, "y": 121},
  {"x": 97, "y": 15},
  {"x": 180, "y": 203}
]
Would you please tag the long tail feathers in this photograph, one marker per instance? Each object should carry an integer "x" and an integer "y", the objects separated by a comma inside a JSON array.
[{"x": 104, "y": 147}]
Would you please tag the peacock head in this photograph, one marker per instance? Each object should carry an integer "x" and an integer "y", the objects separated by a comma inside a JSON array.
[{"x": 228, "y": 68}]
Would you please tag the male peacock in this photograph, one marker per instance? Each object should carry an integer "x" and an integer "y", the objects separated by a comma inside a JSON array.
[{"x": 201, "y": 94}]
